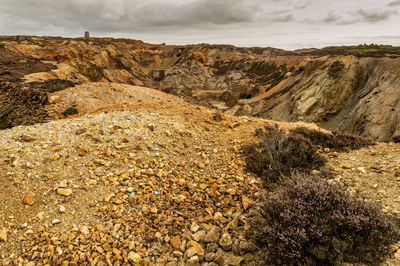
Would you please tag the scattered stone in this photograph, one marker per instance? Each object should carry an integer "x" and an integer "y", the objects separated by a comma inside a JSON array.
[
  {"x": 195, "y": 248},
  {"x": 134, "y": 257},
  {"x": 194, "y": 227},
  {"x": 108, "y": 197},
  {"x": 177, "y": 254},
  {"x": 40, "y": 215},
  {"x": 84, "y": 230},
  {"x": 3, "y": 235},
  {"x": 56, "y": 221},
  {"x": 151, "y": 126},
  {"x": 193, "y": 260},
  {"x": 246, "y": 202},
  {"x": 199, "y": 236},
  {"x": 233, "y": 260},
  {"x": 80, "y": 131},
  {"x": 26, "y": 138},
  {"x": 153, "y": 210},
  {"x": 393, "y": 248},
  {"x": 66, "y": 192},
  {"x": 226, "y": 241},
  {"x": 212, "y": 235},
  {"x": 29, "y": 199},
  {"x": 175, "y": 242},
  {"x": 61, "y": 209},
  {"x": 55, "y": 157},
  {"x": 210, "y": 256},
  {"x": 346, "y": 166},
  {"x": 245, "y": 246},
  {"x": 362, "y": 170}
]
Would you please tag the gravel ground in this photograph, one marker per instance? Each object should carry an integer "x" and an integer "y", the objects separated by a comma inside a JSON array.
[
  {"x": 156, "y": 184},
  {"x": 126, "y": 187}
]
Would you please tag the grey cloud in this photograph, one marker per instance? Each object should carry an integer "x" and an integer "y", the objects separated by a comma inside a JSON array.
[
  {"x": 375, "y": 15},
  {"x": 133, "y": 15},
  {"x": 394, "y": 3},
  {"x": 286, "y": 18},
  {"x": 353, "y": 17},
  {"x": 223, "y": 12},
  {"x": 331, "y": 18},
  {"x": 261, "y": 22}
]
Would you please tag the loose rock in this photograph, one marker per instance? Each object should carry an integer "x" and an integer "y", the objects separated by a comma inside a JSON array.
[
  {"x": 3, "y": 235},
  {"x": 29, "y": 199},
  {"x": 66, "y": 192}
]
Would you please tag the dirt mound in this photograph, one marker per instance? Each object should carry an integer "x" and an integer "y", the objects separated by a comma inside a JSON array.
[{"x": 100, "y": 97}]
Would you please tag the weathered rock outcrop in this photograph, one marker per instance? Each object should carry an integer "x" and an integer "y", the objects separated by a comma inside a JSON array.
[{"x": 347, "y": 89}]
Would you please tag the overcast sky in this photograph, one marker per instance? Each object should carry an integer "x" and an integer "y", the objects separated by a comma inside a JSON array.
[{"x": 287, "y": 24}]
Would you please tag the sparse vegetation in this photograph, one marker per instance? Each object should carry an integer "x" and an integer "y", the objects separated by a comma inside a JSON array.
[
  {"x": 306, "y": 219},
  {"x": 334, "y": 141},
  {"x": 335, "y": 69},
  {"x": 279, "y": 154},
  {"x": 309, "y": 221}
]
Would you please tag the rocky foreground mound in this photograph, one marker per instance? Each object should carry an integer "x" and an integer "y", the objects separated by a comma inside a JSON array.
[
  {"x": 346, "y": 89},
  {"x": 147, "y": 182}
]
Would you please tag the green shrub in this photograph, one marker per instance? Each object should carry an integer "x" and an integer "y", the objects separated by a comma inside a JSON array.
[{"x": 309, "y": 221}]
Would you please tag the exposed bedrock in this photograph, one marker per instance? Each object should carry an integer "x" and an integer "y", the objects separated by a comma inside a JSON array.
[{"x": 347, "y": 89}]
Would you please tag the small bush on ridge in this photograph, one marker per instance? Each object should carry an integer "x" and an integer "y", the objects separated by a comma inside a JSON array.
[
  {"x": 279, "y": 154},
  {"x": 309, "y": 221},
  {"x": 335, "y": 141}
]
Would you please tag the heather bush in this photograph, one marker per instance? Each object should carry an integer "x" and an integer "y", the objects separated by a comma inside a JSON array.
[
  {"x": 309, "y": 221},
  {"x": 279, "y": 154},
  {"x": 335, "y": 141}
]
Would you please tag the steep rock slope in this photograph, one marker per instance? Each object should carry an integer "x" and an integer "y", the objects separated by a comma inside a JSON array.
[{"x": 348, "y": 89}]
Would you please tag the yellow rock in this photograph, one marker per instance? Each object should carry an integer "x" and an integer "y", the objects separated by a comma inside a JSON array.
[
  {"x": 57, "y": 148},
  {"x": 346, "y": 166},
  {"x": 55, "y": 157},
  {"x": 3, "y": 235}
]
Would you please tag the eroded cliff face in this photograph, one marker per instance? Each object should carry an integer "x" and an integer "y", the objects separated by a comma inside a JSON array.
[{"x": 347, "y": 89}]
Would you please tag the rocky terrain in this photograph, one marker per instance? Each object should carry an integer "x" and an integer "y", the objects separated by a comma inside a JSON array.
[
  {"x": 346, "y": 89},
  {"x": 156, "y": 181},
  {"x": 98, "y": 169}
]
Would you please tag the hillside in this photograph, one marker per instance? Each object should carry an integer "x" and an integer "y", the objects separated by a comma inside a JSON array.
[
  {"x": 346, "y": 89},
  {"x": 155, "y": 180},
  {"x": 117, "y": 152}
]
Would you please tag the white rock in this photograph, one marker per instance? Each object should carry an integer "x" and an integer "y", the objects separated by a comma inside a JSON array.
[
  {"x": 194, "y": 228},
  {"x": 84, "y": 230},
  {"x": 62, "y": 209}
]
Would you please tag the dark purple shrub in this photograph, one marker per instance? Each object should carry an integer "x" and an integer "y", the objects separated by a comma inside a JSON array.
[{"x": 309, "y": 221}]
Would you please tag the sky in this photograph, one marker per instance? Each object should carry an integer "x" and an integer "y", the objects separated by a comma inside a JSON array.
[{"x": 286, "y": 24}]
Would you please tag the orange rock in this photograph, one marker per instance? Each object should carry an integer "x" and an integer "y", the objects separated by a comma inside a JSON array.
[
  {"x": 247, "y": 203},
  {"x": 175, "y": 242},
  {"x": 29, "y": 199}
]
